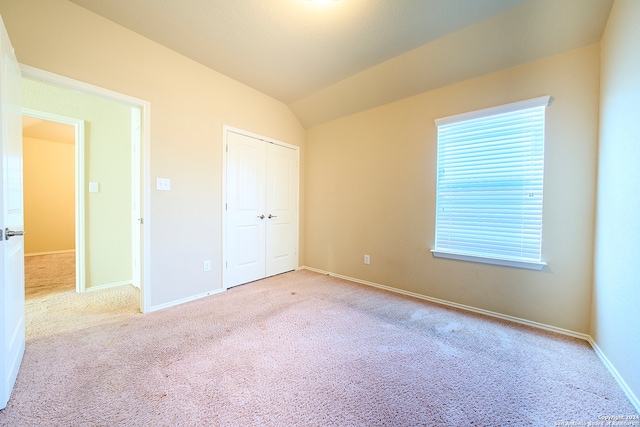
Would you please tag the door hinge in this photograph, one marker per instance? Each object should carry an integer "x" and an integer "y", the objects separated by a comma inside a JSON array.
[
  {"x": 227, "y": 148},
  {"x": 226, "y": 208}
]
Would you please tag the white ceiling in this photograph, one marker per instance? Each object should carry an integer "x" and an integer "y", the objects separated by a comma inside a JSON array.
[{"x": 304, "y": 53}]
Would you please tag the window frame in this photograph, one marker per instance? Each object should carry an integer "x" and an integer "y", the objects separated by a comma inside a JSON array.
[{"x": 543, "y": 101}]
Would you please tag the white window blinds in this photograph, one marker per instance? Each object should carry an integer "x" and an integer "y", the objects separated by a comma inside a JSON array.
[{"x": 489, "y": 185}]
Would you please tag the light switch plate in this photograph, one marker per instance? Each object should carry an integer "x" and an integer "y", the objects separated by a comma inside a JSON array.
[
  {"x": 94, "y": 187},
  {"x": 163, "y": 184}
]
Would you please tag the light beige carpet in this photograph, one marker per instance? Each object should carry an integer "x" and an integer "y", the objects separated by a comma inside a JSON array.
[
  {"x": 52, "y": 305},
  {"x": 300, "y": 349}
]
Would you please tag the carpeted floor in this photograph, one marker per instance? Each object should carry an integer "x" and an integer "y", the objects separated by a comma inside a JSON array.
[
  {"x": 47, "y": 274},
  {"x": 299, "y": 349},
  {"x": 52, "y": 304}
]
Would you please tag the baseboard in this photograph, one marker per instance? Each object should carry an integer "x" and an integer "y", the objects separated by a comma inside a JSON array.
[
  {"x": 50, "y": 252},
  {"x": 605, "y": 361},
  {"x": 616, "y": 375},
  {"x": 107, "y": 286},
  {"x": 184, "y": 300}
]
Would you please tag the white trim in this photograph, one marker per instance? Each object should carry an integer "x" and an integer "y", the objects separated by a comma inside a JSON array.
[
  {"x": 184, "y": 300},
  {"x": 542, "y": 101},
  {"x": 616, "y": 375},
  {"x": 494, "y": 261},
  {"x": 108, "y": 286},
  {"x": 69, "y": 83},
  {"x": 145, "y": 111},
  {"x": 50, "y": 252},
  {"x": 145, "y": 154},
  {"x": 225, "y": 130},
  {"x": 136, "y": 128},
  {"x": 223, "y": 236},
  {"x": 79, "y": 220},
  {"x": 605, "y": 361}
]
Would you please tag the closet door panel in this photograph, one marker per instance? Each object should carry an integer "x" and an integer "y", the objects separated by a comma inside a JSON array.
[
  {"x": 246, "y": 198},
  {"x": 282, "y": 210}
]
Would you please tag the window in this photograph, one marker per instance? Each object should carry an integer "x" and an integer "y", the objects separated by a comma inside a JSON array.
[{"x": 489, "y": 185}]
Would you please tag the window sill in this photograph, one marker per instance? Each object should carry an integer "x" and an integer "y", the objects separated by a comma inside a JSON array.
[{"x": 495, "y": 261}]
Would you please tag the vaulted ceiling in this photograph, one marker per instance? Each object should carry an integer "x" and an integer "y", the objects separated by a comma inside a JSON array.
[{"x": 329, "y": 60}]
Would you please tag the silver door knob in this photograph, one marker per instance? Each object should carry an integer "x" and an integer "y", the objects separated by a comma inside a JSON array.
[
  {"x": 10, "y": 233},
  {"x": 260, "y": 216},
  {"x": 272, "y": 216}
]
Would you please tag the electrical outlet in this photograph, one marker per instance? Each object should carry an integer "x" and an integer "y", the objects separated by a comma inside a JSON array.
[
  {"x": 367, "y": 259},
  {"x": 207, "y": 265}
]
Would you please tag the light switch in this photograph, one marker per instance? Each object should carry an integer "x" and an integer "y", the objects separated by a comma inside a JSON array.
[
  {"x": 163, "y": 184},
  {"x": 94, "y": 187}
]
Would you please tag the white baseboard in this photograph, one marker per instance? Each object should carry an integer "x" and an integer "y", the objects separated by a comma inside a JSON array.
[
  {"x": 107, "y": 286},
  {"x": 605, "y": 361},
  {"x": 50, "y": 252},
  {"x": 616, "y": 375},
  {"x": 182, "y": 301}
]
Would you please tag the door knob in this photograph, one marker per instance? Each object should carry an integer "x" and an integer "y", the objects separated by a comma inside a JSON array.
[
  {"x": 272, "y": 216},
  {"x": 10, "y": 233},
  {"x": 260, "y": 216}
]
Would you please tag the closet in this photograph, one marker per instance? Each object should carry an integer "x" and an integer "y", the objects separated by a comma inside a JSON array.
[{"x": 260, "y": 208}]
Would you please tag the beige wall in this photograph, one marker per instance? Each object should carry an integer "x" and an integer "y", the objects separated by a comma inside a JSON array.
[
  {"x": 49, "y": 195},
  {"x": 370, "y": 189},
  {"x": 107, "y": 161},
  {"x": 615, "y": 324},
  {"x": 189, "y": 105}
]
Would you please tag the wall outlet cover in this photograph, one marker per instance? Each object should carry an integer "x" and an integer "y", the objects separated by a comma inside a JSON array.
[{"x": 163, "y": 184}]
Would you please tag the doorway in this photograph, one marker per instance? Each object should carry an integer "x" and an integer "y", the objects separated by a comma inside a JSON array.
[
  {"x": 97, "y": 183},
  {"x": 54, "y": 206}
]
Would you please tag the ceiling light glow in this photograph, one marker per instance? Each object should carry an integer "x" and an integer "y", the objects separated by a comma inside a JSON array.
[{"x": 322, "y": 1}]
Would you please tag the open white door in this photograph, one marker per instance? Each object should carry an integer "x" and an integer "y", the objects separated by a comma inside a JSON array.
[{"x": 12, "y": 329}]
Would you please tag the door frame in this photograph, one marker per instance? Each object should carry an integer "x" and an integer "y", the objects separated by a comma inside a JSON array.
[
  {"x": 225, "y": 132},
  {"x": 136, "y": 244},
  {"x": 145, "y": 167},
  {"x": 78, "y": 125}
]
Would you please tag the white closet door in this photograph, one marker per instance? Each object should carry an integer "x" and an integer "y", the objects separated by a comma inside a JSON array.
[
  {"x": 246, "y": 200},
  {"x": 261, "y": 209},
  {"x": 281, "y": 209}
]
